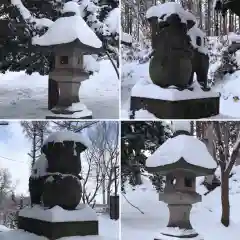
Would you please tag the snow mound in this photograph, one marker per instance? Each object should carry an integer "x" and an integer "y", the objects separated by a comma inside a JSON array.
[
  {"x": 146, "y": 89},
  {"x": 3, "y": 228},
  {"x": 67, "y": 30},
  {"x": 90, "y": 64},
  {"x": 170, "y": 8},
  {"x": 71, "y": 7},
  {"x": 57, "y": 214},
  {"x": 112, "y": 20},
  {"x": 125, "y": 37},
  {"x": 40, "y": 167},
  {"x": 233, "y": 37},
  {"x": 190, "y": 148},
  {"x": 195, "y": 32},
  {"x": 67, "y": 136}
]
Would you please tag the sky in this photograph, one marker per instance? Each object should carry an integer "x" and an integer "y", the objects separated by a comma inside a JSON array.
[{"x": 15, "y": 146}]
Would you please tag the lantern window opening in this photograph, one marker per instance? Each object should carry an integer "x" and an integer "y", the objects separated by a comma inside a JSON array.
[
  {"x": 64, "y": 59},
  {"x": 198, "y": 41},
  {"x": 188, "y": 182},
  {"x": 173, "y": 181}
]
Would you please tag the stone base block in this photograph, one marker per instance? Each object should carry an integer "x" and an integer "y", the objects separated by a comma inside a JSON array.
[
  {"x": 181, "y": 109},
  {"x": 61, "y": 116},
  {"x": 55, "y": 230},
  {"x": 177, "y": 233}
]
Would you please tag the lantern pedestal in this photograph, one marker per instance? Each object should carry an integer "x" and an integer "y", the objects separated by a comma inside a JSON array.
[
  {"x": 56, "y": 223},
  {"x": 75, "y": 111},
  {"x": 171, "y": 103}
]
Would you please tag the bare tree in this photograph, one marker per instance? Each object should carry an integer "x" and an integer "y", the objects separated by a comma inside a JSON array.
[
  {"x": 35, "y": 131},
  {"x": 226, "y": 157},
  {"x": 104, "y": 156}
]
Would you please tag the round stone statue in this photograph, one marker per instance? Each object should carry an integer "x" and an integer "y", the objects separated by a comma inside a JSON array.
[{"x": 62, "y": 190}]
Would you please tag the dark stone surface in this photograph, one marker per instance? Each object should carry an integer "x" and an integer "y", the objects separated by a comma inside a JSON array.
[
  {"x": 53, "y": 93},
  {"x": 184, "y": 166},
  {"x": 171, "y": 63},
  {"x": 184, "y": 109},
  {"x": 36, "y": 186},
  {"x": 200, "y": 65},
  {"x": 64, "y": 191},
  {"x": 61, "y": 157},
  {"x": 58, "y": 229}
]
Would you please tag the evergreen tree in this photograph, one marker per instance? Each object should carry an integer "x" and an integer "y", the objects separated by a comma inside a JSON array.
[{"x": 138, "y": 139}]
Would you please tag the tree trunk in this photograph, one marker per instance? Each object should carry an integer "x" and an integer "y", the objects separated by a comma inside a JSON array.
[{"x": 225, "y": 199}]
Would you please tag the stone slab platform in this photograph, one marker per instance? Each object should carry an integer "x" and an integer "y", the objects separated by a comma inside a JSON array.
[
  {"x": 181, "y": 109},
  {"x": 55, "y": 230},
  {"x": 67, "y": 117}
]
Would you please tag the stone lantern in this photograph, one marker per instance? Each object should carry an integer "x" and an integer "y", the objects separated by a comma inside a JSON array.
[
  {"x": 70, "y": 39},
  {"x": 181, "y": 159}
]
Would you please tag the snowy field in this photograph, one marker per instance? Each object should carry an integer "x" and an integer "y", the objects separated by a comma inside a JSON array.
[
  {"x": 108, "y": 230},
  {"x": 25, "y": 97},
  {"x": 205, "y": 216}
]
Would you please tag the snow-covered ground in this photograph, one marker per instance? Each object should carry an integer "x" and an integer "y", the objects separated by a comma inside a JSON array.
[
  {"x": 205, "y": 216},
  {"x": 108, "y": 230},
  {"x": 25, "y": 97}
]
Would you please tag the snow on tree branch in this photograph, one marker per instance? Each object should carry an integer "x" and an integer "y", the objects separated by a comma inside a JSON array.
[{"x": 39, "y": 22}]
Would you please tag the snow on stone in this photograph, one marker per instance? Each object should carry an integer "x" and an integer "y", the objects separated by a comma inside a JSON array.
[
  {"x": 190, "y": 148},
  {"x": 170, "y": 8},
  {"x": 40, "y": 167},
  {"x": 195, "y": 32},
  {"x": 57, "y": 214},
  {"x": 67, "y": 30},
  {"x": 40, "y": 22},
  {"x": 146, "y": 89},
  {"x": 181, "y": 125},
  {"x": 80, "y": 113},
  {"x": 3, "y": 228},
  {"x": 90, "y": 64},
  {"x": 112, "y": 20},
  {"x": 67, "y": 136},
  {"x": 144, "y": 114},
  {"x": 233, "y": 37},
  {"x": 71, "y": 7},
  {"x": 43, "y": 22},
  {"x": 125, "y": 37},
  {"x": 177, "y": 232}
]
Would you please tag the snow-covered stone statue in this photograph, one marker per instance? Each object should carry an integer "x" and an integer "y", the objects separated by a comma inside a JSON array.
[
  {"x": 56, "y": 191},
  {"x": 171, "y": 45},
  {"x": 72, "y": 42},
  {"x": 181, "y": 159},
  {"x": 179, "y": 51}
]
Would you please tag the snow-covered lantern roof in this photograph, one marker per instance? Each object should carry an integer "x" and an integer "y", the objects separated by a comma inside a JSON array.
[
  {"x": 159, "y": 14},
  {"x": 182, "y": 152},
  {"x": 69, "y": 33}
]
